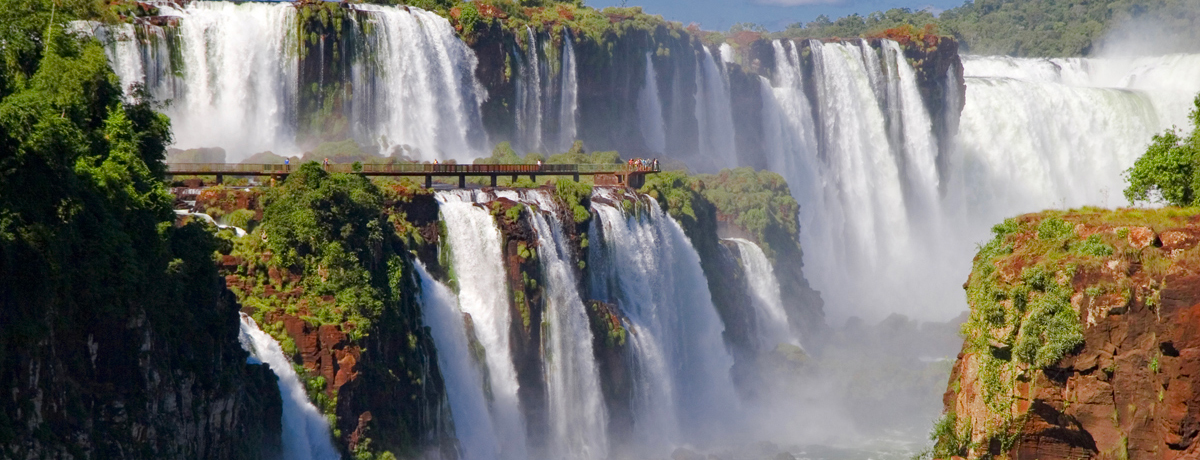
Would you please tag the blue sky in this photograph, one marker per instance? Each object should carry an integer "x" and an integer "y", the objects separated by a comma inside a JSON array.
[{"x": 774, "y": 14}]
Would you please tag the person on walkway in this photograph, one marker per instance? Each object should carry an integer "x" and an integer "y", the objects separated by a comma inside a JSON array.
[{"x": 326, "y": 163}]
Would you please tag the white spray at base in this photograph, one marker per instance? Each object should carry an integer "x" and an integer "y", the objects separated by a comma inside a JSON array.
[
  {"x": 771, "y": 319},
  {"x": 643, "y": 262},
  {"x": 306, "y": 434},
  {"x": 477, "y": 260},
  {"x": 464, "y": 384}
]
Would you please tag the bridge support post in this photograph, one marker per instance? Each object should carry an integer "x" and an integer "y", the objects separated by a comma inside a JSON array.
[
  {"x": 428, "y": 181},
  {"x": 514, "y": 178},
  {"x": 576, "y": 177},
  {"x": 462, "y": 181},
  {"x": 493, "y": 180},
  {"x": 220, "y": 178},
  {"x": 533, "y": 177}
]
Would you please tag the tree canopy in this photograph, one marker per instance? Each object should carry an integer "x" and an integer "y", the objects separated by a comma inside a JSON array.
[
  {"x": 1169, "y": 171},
  {"x": 1021, "y": 27}
]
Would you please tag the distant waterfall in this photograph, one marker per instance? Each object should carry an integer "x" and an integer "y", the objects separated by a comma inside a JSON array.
[
  {"x": 482, "y": 293},
  {"x": 464, "y": 385},
  {"x": 529, "y": 95},
  {"x": 568, "y": 111},
  {"x": 234, "y": 84},
  {"x": 714, "y": 115},
  {"x": 231, "y": 72},
  {"x": 306, "y": 434},
  {"x": 881, "y": 221},
  {"x": 425, "y": 93},
  {"x": 643, "y": 262},
  {"x": 650, "y": 111},
  {"x": 772, "y": 320}
]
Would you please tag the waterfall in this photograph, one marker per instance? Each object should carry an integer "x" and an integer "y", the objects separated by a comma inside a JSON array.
[
  {"x": 643, "y": 262},
  {"x": 427, "y": 96},
  {"x": 237, "y": 83},
  {"x": 569, "y": 104},
  {"x": 306, "y": 432},
  {"x": 577, "y": 412},
  {"x": 772, "y": 320},
  {"x": 1069, "y": 128},
  {"x": 529, "y": 96},
  {"x": 477, "y": 261},
  {"x": 231, "y": 72},
  {"x": 880, "y": 220},
  {"x": 650, "y": 111},
  {"x": 464, "y": 384},
  {"x": 714, "y": 115}
]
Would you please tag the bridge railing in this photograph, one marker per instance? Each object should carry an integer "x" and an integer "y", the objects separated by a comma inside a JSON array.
[{"x": 408, "y": 168}]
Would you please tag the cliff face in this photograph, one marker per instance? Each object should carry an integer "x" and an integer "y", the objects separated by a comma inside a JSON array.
[
  {"x": 1082, "y": 340},
  {"x": 343, "y": 302}
]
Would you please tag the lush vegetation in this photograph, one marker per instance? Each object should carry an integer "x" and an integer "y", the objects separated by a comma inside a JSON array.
[
  {"x": 1019, "y": 27},
  {"x": 758, "y": 202},
  {"x": 1169, "y": 171},
  {"x": 89, "y": 249}
]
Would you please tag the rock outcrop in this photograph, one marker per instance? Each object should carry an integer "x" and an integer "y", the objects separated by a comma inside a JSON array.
[{"x": 1082, "y": 341}]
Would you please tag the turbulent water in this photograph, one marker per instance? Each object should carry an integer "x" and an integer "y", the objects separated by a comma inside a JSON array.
[
  {"x": 306, "y": 434},
  {"x": 477, "y": 260},
  {"x": 473, "y": 422},
  {"x": 643, "y": 262}
]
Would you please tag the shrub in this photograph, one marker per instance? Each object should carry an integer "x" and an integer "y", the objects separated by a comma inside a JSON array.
[{"x": 1167, "y": 172}]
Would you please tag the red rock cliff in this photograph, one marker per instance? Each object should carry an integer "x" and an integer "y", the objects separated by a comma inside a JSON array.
[{"x": 1083, "y": 342}]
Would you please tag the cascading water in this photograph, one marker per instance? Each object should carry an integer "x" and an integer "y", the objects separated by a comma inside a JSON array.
[
  {"x": 464, "y": 385},
  {"x": 772, "y": 321},
  {"x": 878, "y": 217},
  {"x": 426, "y": 94},
  {"x": 529, "y": 95},
  {"x": 1068, "y": 130},
  {"x": 577, "y": 412},
  {"x": 233, "y": 82},
  {"x": 306, "y": 432},
  {"x": 237, "y": 77},
  {"x": 650, "y": 111},
  {"x": 714, "y": 116},
  {"x": 645, "y": 264},
  {"x": 569, "y": 95},
  {"x": 477, "y": 261}
]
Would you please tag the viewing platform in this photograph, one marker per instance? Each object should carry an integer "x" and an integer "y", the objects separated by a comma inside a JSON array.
[{"x": 603, "y": 174}]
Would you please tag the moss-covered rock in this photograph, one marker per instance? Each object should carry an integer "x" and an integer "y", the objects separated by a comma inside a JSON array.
[{"x": 1076, "y": 340}]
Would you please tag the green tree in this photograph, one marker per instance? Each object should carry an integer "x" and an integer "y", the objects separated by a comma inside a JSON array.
[{"x": 1169, "y": 171}]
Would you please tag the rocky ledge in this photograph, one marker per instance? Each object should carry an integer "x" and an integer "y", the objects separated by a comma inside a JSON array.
[{"x": 1082, "y": 340}]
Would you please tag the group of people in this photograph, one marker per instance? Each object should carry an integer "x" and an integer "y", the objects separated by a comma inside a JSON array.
[{"x": 643, "y": 164}]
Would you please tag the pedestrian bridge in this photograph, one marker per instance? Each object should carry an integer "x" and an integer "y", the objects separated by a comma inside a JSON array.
[{"x": 603, "y": 174}]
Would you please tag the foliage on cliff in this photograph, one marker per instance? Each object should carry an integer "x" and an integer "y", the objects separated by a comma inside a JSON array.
[
  {"x": 1020, "y": 27},
  {"x": 1034, "y": 291},
  {"x": 550, "y": 16},
  {"x": 1169, "y": 171},
  {"x": 759, "y": 202},
  {"x": 327, "y": 254},
  {"x": 92, "y": 270}
]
